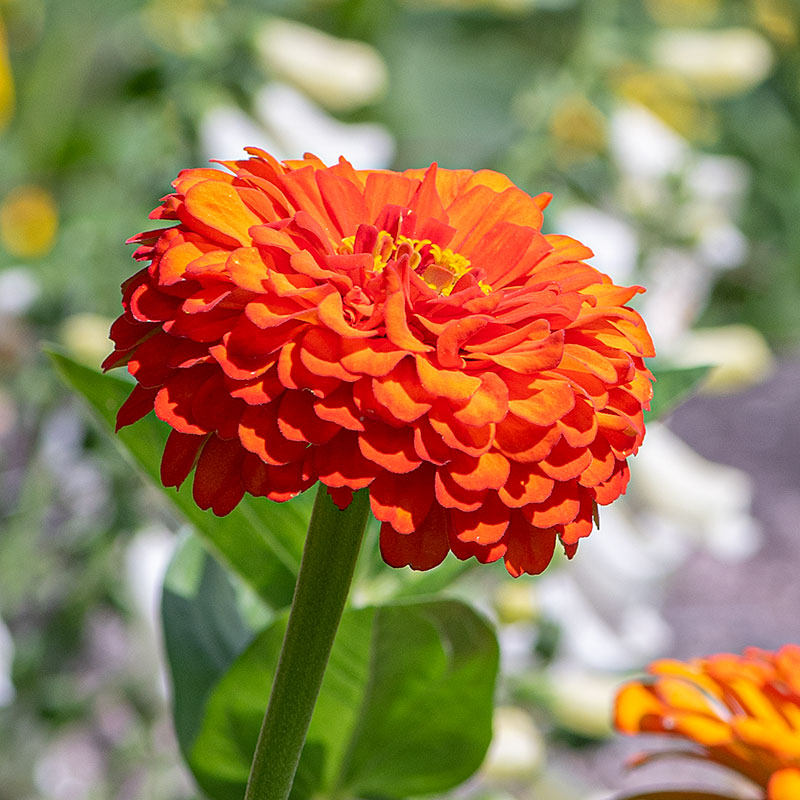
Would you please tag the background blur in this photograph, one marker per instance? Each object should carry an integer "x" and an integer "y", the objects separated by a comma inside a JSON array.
[{"x": 669, "y": 132}]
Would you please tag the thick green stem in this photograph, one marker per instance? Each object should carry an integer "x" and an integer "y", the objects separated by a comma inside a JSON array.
[{"x": 329, "y": 558}]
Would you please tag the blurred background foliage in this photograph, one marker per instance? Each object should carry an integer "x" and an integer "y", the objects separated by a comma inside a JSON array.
[{"x": 668, "y": 130}]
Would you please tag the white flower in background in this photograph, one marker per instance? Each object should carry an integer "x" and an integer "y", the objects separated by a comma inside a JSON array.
[
  {"x": 644, "y": 146},
  {"x": 302, "y": 126},
  {"x": 614, "y": 240},
  {"x": 716, "y": 62},
  {"x": 608, "y": 602},
  {"x": 677, "y": 288},
  {"x": 517, "y": 748},
  {"x": 340, "y": 74},
  {"x": 19, "y": 290},
  {"x": 288, "y": 124}
]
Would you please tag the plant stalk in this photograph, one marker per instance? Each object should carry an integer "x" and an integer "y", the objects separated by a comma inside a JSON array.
[{"x": 323, "y": 583}]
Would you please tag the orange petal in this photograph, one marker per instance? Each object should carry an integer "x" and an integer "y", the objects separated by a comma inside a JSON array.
[
  {"x": 401, "y": 392},
  {"x": 452, "y": 384},
  {"x": 488, "y": 404},
  {"x": 579, "y": 426},
  {"x": 390, "y": 448},
  {"x": 375, "y": 357},
  {"x": 634, "y": 703},
  {"x": 340, "y": 408},
  {"x": 784, "y": 785},
  {"x": 547, "y": 402},
  {"x": 488, "y": 471},
  {"x": 340, "y": 463},
  {"x": 486, "y": 526},
  {"x": 331, "y": 314},
  {"x": 247, "y": 269},
  {"x": 526, "y": 484},
  {"x": 259, "y": 433},
  {"x": 521, "y": 441},
  {"x": 451, "y": 495},
  {"x": 530, "y": 357},
  {"x": 396, "y": 320},
  {"x": 216, "y": 210},
  {"x": 453, "y": 336},
  {"x": 473, "y": 441},
  {"x": 561, "y": 507},
  {"x": 564, "y": 462},
  {"x": 320, "y": 352}
]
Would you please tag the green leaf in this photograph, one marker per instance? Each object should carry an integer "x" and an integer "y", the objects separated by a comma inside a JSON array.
[
  {"x": 405, "y": 706},
  {"x": 203, "y": 632},
  {"x": 672, "y": 387},
  {"x": 260, "y": 540}
]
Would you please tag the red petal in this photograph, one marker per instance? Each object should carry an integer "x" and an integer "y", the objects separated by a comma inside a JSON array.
[
  {"x": 217, "y": 479},
  {"x": 486, "y": 526},
  {"x": 298, "y": 421},
  {"x": 174, "y": 402},
  {"x": 424, "y": 549},
  {"x": 530, "y": 549},
  {"x": 560, "y": 507},
  {"x": 390, "y": 448},
  {"x": 179, "y": 458},
  {"x": 403, "y": 500},
  {"x": 340, "y": 463},
  {"x": 259, "y": 433},
  {"x": 139, "y": 403}
]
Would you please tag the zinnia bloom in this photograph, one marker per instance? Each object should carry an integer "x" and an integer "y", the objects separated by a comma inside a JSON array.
[
  {"x": 741, "y": 712},
  {"x": 414, "y": 333}
]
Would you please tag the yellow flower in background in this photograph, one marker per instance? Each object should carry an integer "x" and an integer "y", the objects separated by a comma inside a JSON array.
[
  {"x": 671, "y": 98},
  {"x": 683, "y": 12},
  {"x": 28, "y": 222},
  {"x": 578, "y": 128},
  {"x": 6, "y": 81},
  {"x": 779, "y": 19}
]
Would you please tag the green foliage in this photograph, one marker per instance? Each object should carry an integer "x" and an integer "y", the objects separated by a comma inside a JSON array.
[
  {"x": 204, "y": 632},
  {"x": 261, "y": 541},
  {"x": 405, "y": 706}
]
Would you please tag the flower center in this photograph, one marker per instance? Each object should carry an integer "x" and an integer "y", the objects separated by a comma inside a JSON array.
[{"x": 439, "y": 267}]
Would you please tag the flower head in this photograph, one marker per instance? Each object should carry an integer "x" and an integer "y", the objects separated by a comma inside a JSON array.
[
  {"x": 739, "y": 711},
  {"x": 414, "y": 333}
]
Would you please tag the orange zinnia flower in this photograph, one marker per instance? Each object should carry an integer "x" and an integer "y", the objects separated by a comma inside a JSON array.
[
  {"x": 741, "y": 712},
  {"x": 411, "y": 332}
]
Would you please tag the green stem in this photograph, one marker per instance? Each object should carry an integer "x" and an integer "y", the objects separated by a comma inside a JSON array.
[{"x": 326, "y": 571}]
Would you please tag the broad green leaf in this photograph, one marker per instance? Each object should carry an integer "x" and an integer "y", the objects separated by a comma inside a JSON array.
[
  {"x": 672, "y": 386},
  {"x": 405, "y": 706},
  {"x": 203, "y": 632},
  {"x": 260, "y": 540}
]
